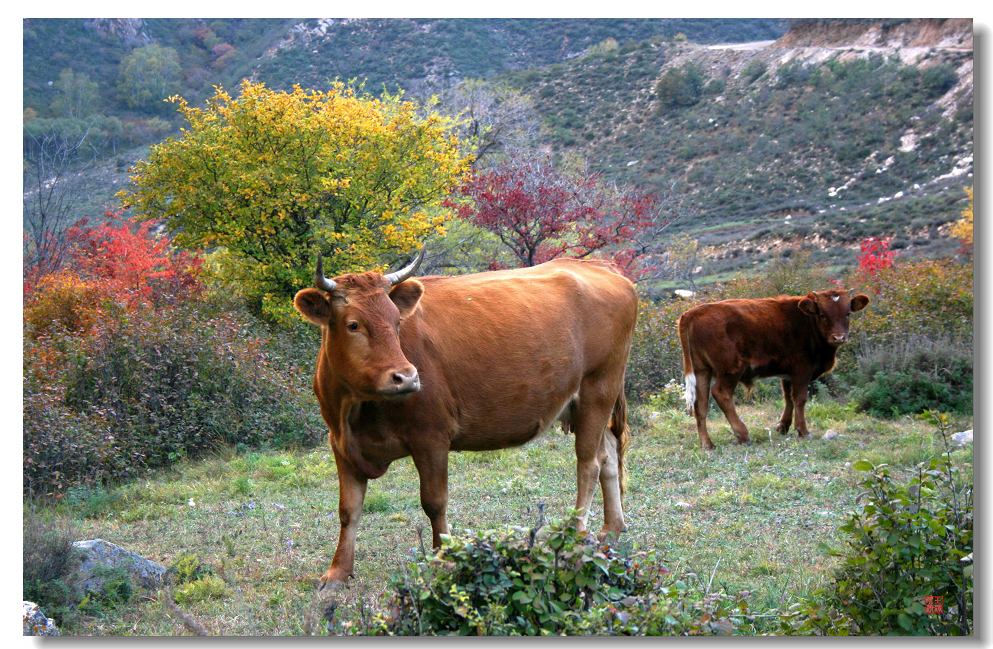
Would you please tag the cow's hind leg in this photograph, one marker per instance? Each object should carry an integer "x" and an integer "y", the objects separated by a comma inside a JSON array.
[
  {"x": 700, "y": 407},
  {"x": 787, "y": 419},
  {"x": 351, "y": 494},
  {"x": 593, "y": 410},
  {"x": 723, "y": 392},
  {"x": 613, "y": 513}
]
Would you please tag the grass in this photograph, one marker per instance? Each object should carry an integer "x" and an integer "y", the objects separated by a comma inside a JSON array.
[{"x": 758, "y": 517}]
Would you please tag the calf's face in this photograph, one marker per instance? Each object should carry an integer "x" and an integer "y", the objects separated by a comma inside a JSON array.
[
  {"x": 830, "y": 311},
  {"x": 362, "y": 340}
]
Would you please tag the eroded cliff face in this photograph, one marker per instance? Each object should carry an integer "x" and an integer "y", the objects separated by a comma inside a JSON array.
[
  {"x": 941, "y": 33},
  {"x": 129, "y": 30}
]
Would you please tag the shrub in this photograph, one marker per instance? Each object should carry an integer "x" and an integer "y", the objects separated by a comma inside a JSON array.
[
  {"x": 792, "y": 274},
  {"x": 115, "y": 591},
  {"x": 187, "y": 568},
  {"x": 910, "y": 540},
  {"x": 201, "y": 590},
  {"x": 63, "y": 301},
  {"x": 679, "y": 87},
  {"x": 930, "y": 298},
  {"x": 49, "y": 563},
  {"x": 938, "y": 79},
  {"x": 543, "y": 582},
  {"x": 656, "y": 355},
  {"x": 755, "y": 69},
  {"x": 914, "y": 375},
  {"x": 155, "y": 386}
]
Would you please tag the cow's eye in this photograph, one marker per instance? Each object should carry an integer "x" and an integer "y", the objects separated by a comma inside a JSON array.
[{"x": 353, "y": 326}]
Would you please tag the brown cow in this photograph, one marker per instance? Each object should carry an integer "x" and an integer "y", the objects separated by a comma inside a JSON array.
[
  {"x": 737, "y": 341},
  {"x": 471, "y": 363}
]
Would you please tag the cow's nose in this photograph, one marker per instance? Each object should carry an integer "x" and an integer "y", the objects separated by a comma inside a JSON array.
[
  {"x": 406, "y": 380},
  {"x": 839, "y": 338}
]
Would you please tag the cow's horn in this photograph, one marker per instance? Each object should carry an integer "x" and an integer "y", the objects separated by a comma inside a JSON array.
[
  {"x": 408, "y": 271},
  {"x": 320, "y": 280}
]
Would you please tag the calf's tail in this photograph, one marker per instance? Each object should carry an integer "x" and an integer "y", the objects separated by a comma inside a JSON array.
[
  {"x": 689, "y": 377},
  {"x": 619, "y": 427}
]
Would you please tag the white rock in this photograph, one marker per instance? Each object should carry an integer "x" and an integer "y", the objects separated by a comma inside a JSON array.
[
  {"x": 830, "y": 434},
  {"x": 683, "y": 504},
  {"x": 35, "y": 622},
  {"x": 98, "y": 553},
  {"x": 963, "y": 438}
]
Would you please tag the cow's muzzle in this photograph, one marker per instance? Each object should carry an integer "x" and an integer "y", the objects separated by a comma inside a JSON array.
[
  {"x": 837, "y": 339},
  {"x": 402, "y": 382}
]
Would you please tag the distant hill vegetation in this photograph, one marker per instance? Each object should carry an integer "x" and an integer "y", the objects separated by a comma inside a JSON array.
[
  {"x": 802, "y": 142},
  {"x": 778, "y": 135},
  {"x": 414, "y": 54}
]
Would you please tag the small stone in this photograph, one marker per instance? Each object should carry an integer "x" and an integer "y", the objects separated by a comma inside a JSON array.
[
  {"x": 830, "y": 434},
  {"x": 35, "y": 622},
  {"x": 682, "y": 504},
  {"x": 963, "y": 438}
]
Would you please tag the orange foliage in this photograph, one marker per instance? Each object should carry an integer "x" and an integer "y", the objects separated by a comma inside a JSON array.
[{"x": 65, "y": 301}]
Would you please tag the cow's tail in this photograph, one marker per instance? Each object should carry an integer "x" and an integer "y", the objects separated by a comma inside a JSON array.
[
  {"x": 689, "y": 377},
  {"x": 619, "y": 427}
]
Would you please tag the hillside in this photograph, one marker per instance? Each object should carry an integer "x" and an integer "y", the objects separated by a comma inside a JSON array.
[
  {"x": 834, "y": 132},
  {"x": 431, "y": 53},
  {"x": 814, "y": 136}
]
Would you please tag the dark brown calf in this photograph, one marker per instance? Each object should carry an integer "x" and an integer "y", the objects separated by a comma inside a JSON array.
[{"x": 737, "y": 341}]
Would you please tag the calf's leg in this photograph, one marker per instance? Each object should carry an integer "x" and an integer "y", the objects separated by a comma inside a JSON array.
[
  {"x": 787, "y": 418},
  {"x": 351, "y": 494},
  {"x": 799, "y": 401},
  {"x": 723, "y": 392}
]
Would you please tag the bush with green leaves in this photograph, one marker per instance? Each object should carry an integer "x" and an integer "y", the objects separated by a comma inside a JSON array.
[
  {"x": 679, "y": 87},
  {"x": 154, "y": 386},
  {"x": 911, "y": 539},
  {"x": 914, "y": 375},
  {"x": 546, "y": 581},
  {"x": 49, "y": 564}
]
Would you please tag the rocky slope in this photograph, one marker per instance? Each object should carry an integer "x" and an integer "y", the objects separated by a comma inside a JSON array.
[{"x": 835, "y": 131}]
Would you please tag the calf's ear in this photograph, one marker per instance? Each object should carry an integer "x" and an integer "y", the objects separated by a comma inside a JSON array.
[
  {"x": 859, "y": 302},
  {"x": 808, "y": 304},
  {"x": 313, "y": 305},
  {"x": 406, "y": 295}
]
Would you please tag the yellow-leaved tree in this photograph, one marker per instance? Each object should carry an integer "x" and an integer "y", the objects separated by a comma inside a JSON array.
[
  {"x": 268, "y": 179},
  {"x": 962, "y": 229}
]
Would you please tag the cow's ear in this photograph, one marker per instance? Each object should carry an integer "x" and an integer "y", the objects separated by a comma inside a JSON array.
[
  {"x": 313, "y": 305},
  {"x": 859, "y": 302},
  {"x": 406, "y": 295},
  {"x": 808, "y": 304}
]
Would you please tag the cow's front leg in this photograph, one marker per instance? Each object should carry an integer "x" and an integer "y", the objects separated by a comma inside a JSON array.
[
  {"x": 432, "y": 467},
  {"x": 351, "y": 494},
  {"x": 787, "y": 419},
  {"x": 799, "y": 401}
]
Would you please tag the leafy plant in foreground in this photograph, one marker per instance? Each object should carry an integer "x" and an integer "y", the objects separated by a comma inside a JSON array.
[
  {"x": 546, "y": 581},
  {"x": 907, "y": 565}
]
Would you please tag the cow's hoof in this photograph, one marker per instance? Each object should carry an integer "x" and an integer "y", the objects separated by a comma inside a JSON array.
[
  {"x": 782, "y": 430},
  {"x": 611, "y": 534},
  {"x": 708, "y": 447},
  {"x": 745, "y": 442},
  {"x": 332, "y": 581},
  {"x": 803, "y": 435}
]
